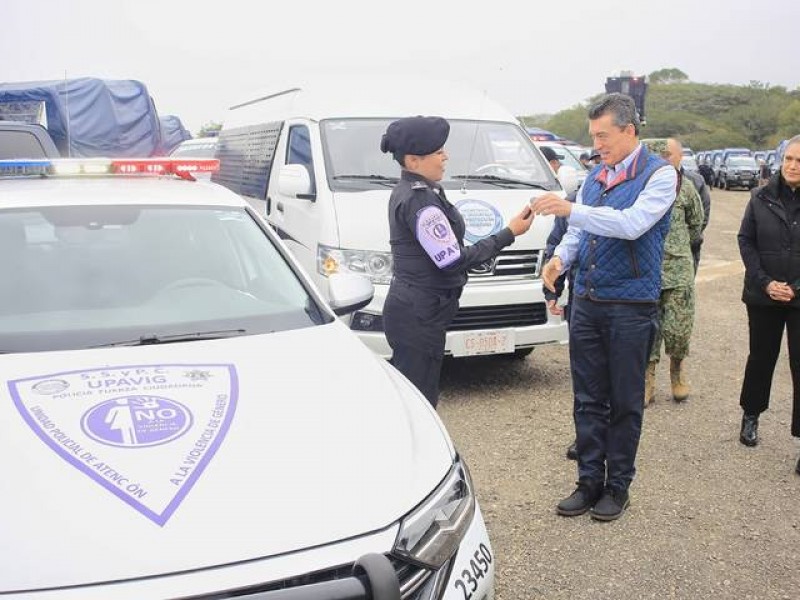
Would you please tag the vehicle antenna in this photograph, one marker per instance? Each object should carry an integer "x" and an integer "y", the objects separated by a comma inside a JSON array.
[{"x": 66, "y": 105}]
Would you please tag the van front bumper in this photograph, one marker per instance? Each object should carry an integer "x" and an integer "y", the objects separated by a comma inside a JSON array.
[{"x": 515, "y": 310}]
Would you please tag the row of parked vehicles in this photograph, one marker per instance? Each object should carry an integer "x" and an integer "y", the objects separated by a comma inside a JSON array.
[{"x": 729, "y": 168}]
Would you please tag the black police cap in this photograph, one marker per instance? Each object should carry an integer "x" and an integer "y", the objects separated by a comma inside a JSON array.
[{"x": 415, "y": 135}]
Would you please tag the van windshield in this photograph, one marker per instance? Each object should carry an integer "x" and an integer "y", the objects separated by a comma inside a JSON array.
[{"x": 485, "y": 154}]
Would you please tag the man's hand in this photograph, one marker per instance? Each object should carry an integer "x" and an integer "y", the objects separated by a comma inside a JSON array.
[
  {"x": 554, "y": 308},
  {"x": 551, "y": 204},
  {"x": 551, "y": 271},
  {"x": 522, "y": 222}
]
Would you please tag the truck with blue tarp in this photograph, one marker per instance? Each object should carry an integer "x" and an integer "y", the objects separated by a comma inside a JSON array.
[{"x": 88, "y": 117}]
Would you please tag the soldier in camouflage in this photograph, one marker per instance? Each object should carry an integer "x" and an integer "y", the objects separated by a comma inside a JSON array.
[{"x": 676, "y": 305}]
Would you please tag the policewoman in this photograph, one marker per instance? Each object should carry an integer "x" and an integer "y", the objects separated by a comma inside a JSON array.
[{"x": 426, "y": 233}]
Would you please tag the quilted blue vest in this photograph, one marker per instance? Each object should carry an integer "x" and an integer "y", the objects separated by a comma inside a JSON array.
[{"x": 613, "y": 269}]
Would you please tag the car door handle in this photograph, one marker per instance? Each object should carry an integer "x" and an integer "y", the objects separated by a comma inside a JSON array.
[{"x": 279, "y": 206}]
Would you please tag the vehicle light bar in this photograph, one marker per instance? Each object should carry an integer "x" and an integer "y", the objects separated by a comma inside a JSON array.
[{"x": 184, "y": 168}]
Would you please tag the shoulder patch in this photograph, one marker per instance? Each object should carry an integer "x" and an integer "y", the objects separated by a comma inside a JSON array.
[
  {"x": 435, "y": 235},
  {"x": 418, "y": 185}
]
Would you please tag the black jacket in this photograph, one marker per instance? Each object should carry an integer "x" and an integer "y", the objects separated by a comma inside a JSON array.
[
  {"x": 705, "y": 197},
  {"x": 769, "y": 242}
]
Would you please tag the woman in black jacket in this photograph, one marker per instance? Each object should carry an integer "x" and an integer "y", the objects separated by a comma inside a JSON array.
[{"x": 769, "y": 241}]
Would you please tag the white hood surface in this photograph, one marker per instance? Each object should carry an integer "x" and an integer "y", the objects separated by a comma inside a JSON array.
[{"x": 131, "y": 462}]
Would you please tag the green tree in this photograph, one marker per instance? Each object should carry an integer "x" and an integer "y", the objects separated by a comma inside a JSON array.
[
  {"x": 572, "y": 123},
  {"x": 788, "y": 122},
  {"x": 703, "y": 116},
  {"x": 209, "y": 129},
  {"x": 667, "y": 76}
]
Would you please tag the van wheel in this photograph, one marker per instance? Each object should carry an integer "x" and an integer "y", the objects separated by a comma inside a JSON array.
[{"x": 522, "y": 352}]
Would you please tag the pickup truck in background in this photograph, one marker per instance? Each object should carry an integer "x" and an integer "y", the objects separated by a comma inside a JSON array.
[{"x": 25, "y": 140}]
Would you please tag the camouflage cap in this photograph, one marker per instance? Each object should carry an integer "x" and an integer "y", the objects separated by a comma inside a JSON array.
[{"x": 657, "y": 146}]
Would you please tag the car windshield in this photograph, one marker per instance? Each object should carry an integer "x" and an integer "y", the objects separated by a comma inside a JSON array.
[
  {"x": 484, "y": 154},
  {"x": 742, "y": 161},
  {"x": 566, "y": 157},
  {"x": 84, "y": 276},
  {"x": 689, "y": 162}
]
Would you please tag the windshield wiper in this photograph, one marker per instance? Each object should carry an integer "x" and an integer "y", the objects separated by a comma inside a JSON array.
[
  {"x": 379, "y": 179},
  {"x": 375, "y": 177},
  {"x": 500, "y": 180},
  {"x": 150, "y": 339}
]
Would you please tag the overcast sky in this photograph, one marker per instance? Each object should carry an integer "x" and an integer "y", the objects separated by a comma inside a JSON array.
[{"x": 197, "y": 58}]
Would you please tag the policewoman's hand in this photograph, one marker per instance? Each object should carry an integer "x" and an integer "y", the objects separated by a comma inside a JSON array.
[{"x": 522, "y": 222}]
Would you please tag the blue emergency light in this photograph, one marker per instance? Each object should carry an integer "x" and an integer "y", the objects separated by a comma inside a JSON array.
[{"x": 181, "y": 167}]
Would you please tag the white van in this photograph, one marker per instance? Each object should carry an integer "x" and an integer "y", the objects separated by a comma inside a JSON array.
[{"x": 311, "y": 157}]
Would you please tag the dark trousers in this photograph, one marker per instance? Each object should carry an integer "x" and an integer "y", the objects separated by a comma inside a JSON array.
[
  {"x": 609, "y": 344},
  {"x": 415, "y": 320},
  {"x": 420, "y": 368},
  {"x": 766, "y": 325}
]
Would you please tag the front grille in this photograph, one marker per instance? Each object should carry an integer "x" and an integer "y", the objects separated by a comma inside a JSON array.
[
  {"x": 510, "y": 264},
  {"x": 495, "y": 317},
  {"x": 415, "y": 583}
]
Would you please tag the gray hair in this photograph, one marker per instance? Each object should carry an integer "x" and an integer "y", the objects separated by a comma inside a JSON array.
[
  {"x": 620, "y": 106},
  {"x": 792, "y": 141}
]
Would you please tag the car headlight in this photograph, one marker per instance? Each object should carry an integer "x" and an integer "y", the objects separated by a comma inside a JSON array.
[
  {"x": 432, "y": 532},
  {"x": 375, "y": 265}
]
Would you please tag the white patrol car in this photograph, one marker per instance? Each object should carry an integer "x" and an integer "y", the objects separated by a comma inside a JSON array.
[{"x": 183, "y": 416}]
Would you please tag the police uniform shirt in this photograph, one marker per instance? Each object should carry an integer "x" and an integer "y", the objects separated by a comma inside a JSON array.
[{"x": 426, "y": 233}]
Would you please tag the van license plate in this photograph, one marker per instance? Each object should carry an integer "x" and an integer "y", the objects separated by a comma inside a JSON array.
[{"x": 484, "y": 342}]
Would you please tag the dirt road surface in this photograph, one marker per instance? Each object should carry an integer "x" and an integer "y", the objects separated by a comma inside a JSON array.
[{"x": 709, "y": 518}]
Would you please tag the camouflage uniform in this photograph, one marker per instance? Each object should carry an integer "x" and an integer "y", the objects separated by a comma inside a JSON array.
[{"x": 676, "y": 306}]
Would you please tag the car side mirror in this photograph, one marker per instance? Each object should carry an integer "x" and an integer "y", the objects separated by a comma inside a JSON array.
[
  {"x": 294, "y": 181},
  {"x": 348, "y": 292},
  {"x": 568, "y": 177}
]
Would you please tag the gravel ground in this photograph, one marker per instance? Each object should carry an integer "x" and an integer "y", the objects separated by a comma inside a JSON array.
[{"x": 709, "y": 518}]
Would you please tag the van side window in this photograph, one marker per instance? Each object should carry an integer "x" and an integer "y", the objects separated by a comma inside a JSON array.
[{"x": 298, "y": 151}]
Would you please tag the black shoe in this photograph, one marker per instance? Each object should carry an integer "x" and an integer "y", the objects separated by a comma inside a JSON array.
[
  {"x": 581, "y": 500},
  {"x": 572, "y": 451},
  {"x": 797, "y": 467},
  {"x": 610, "y": 506},
  {"x": 749, "y": 433}
]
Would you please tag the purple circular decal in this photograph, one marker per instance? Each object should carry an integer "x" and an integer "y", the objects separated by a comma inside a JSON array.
[
  {"x": 440, "y": 231},
  {"x": 136, "y": 421}
]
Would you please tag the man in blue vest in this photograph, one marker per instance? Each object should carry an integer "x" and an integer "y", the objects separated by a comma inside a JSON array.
[{"x": 615, "y": 238}]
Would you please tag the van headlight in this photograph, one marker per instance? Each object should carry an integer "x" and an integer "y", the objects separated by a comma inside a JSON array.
[
  {"x": 375, "y": 265},
  {"x": 431, "y": 533}
]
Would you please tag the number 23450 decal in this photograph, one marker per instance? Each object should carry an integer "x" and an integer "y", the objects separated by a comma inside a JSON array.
[{"x": 479, "y": 563}]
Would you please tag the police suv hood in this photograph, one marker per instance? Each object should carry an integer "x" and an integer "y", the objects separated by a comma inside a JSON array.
[
  {"x": 363, "y": 217},
  {"x": 245, "y": 448}
]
